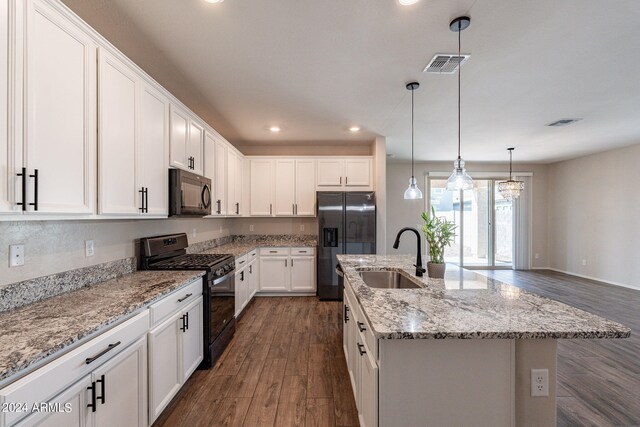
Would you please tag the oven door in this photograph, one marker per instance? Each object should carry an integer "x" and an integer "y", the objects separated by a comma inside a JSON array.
[
  {"x": 222, "y": 304},
  {"x": 190, "y": 194}
]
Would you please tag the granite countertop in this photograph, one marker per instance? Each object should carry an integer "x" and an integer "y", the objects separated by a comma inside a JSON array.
[
  {"x": 33, "y": 332},
  {"x": 465, "y": 305},
  {"x": 241, "y": 247}
]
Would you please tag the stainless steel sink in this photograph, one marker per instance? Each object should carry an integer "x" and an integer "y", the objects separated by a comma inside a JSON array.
[{"x": 388, "y": 280}]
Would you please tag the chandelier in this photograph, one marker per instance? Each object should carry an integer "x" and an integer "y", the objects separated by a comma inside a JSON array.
[{"x": 510, "y": 189}]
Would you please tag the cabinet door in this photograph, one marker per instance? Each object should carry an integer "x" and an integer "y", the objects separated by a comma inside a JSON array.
[
  {"x": 305, "y": 187},
  {"x": 254, "y": 272},
  {"x": 261, "y": 185},
  {"x": 192, "y": 344},
  {"x": 164, "y": 365},
  {"x": 179, "y": 138},
  {"x": 239, "y": 179},
  {"x": 232, "y": 165},
  {"x": 303, "y": 278},
  {"x": 195, "y": 147},
  {"x": 274, "y": 274},
  {"x": 220, "y": 183},
  {"x": 357, "y": 172},
  {"x": 285, "y": 188},
  {"x": 73, "y": 402},
  {"x": 153, "y": 152},
  {"x": 60, "y": 138},
  {"x": 7, "y": 162},
  {"x": 121, "y": 388},
  {"x": 117, "y": 191},
  {"x": 330, "y": 172},
  {"x": 240, "y": 276},
  {"x": 368, "y": 391}
]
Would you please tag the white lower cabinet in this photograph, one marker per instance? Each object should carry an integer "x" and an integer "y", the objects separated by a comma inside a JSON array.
[
  {"x": 119, "y": 389},
  {"x": 175, "y": 351},
  {"x": 240, "y": 291},
  {"x": 287, "y": 270}
]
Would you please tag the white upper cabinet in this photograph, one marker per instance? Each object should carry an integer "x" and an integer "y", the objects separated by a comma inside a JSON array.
[
  {"x": 350, "y": 174},
  {"x": 195, "y": 146},
  {"x": 261, "y": 171},
  {"x": 186, "y": 141},
  {"x": 357, "y": 172},
  {"x": 132, "y": 142},
  {"x": 60, "y": 113},
  {"x": 305, "y": 187},
  {"x": 220, "y": 178},
  {"x": 179, "y": 138},
  {"x": 116, "y": 137},
  {"x": 285, "y": 187},
  {"x": 239, "y": 184},
  {"x": 330, "y": 172},
  {"x": 153, "y": 150},
  {"x": 235, "y": 170},
  {"x": 7, "y": 176}
]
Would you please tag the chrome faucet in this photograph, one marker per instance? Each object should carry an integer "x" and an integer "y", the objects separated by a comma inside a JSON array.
[{"x": 418, "y": 264}]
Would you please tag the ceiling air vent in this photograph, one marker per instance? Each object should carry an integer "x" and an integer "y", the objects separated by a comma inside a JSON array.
[
  {"x": 563, "y": 122},
  {"x": 445, "y": 63}
]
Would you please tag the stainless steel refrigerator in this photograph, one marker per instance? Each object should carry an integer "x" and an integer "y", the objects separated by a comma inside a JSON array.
[{"x": 347, "y": 225}]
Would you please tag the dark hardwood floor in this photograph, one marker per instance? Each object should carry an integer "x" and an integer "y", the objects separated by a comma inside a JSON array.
[
  {"x": 598, "y": 380},
  {"x": 285, "y": 365}
]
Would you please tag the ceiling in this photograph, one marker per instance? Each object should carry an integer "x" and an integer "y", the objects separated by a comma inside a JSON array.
[{"x": 315, "y": 68}]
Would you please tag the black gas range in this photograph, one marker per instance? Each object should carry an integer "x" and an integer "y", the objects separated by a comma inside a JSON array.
[{"x": 168, "y": 252}]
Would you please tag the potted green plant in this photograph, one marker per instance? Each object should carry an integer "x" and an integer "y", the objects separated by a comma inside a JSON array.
[{"x": 439, "y": 233}]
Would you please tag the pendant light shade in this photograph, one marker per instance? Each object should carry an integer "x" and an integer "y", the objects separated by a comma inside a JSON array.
[
  {"x": 412, "y": 192},
  {"x": 510, "y": 189},
  {"x": 459, "y": 179}
]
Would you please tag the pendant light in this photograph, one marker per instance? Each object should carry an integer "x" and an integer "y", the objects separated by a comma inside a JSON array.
[
  {"x": 510, "y": 189},
  {"x": 412, "y": 192},
  {"x": 459, "y": 179}
]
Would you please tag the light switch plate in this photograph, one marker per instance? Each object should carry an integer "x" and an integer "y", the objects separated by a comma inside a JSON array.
[{"x": 16, "y": 255}]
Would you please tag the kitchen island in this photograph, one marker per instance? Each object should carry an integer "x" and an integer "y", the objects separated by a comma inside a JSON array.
[{"x": 458, "y": 351}]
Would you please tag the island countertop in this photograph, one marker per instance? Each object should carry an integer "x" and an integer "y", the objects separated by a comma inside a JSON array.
[{"x": 465, "y": 305}]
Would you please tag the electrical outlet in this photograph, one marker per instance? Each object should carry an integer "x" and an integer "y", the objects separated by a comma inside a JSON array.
[
  {"x": 16, "y": 255},
  {"x": 584, "y": 262},
  {"x": 539, "y": 382},
  {"x": 537, "y": 255},
  {"x": 88, "y": 248},
  {"x": 251, "y": 227},
  {"x": 301, "y": 227},
  {"x": 194, "y": 233}
]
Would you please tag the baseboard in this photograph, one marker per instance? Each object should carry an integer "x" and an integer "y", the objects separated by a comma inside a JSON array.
[
  {"x": 541, "y": 268},
  {"x": 285, "y": 294},
  {"x": 597, "y": 279}
]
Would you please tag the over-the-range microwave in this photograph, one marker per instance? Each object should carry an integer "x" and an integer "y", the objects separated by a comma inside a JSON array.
[{"x": 189, "y": 194}]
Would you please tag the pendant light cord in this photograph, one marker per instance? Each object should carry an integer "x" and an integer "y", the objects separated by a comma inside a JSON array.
[
  {"x": 459, "y": 72},
  {"x": 510, "y": 162},
  {"x": 412, "y": 90}
]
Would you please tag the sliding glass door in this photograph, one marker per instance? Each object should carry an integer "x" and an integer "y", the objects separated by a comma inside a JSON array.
[{"x": 484, "y": 220}]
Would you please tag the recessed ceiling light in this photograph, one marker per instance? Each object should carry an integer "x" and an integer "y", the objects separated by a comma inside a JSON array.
[
  {"x": 407, "y": 2},
  {"x": 214, "y": 1},
  {"x": 274, "y": 129},
  {"x": 354, "y": 128}
]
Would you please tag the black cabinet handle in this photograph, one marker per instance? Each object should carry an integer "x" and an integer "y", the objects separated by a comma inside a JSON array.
[
  {"x": 101, "y": 397},
  {"x": 184, "y": 297},
  {"x": 291, "y": 262},
  {"x": 346, "y": 180},
  {"x": 186, "y": 316},
  {"x": 141, "y": 208},
  {"x": 23, "y": 203},
  {"x": 251, "y": 269},
  {"x": 219, "y": 202},
  {"x": 270, "y": 209},
  {"x": 146, "y": 199},
  {"x": 360, "y": 349},
  {"x": 183, "y": 328},
  {"x": 237, "y": 208},
  {"x": 92, "y": 405},
  {"x": 35, "y": 190},
  {"x": 340, "y": 180},
  {"x": 97, "y": 356},
  {"x": 242, "y": 276},
  {"x": 361, "y": 326},
  {"x": 346, "y": 313},
  {"x": 285, "y": 262}
]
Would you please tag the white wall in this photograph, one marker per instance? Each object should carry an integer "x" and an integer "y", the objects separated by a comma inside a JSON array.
[
  {"x": 380, "y": 170},
  {"x": 593, "y": 215},
  {"x": 406, "y": 213},
  {"x": 303, "y": 225},
  {"x": 55, "y": 246}
]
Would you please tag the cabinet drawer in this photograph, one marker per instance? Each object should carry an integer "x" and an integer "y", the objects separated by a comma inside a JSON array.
[
  {"x": 175, "y": 301},
  {"x": 252, "y": 255},
  {"x": 303, "y": 251},
  {"x": 274, "y": 251},
  {"x": 44, "y": 383},
  {"x": 241, "y": 262},
  {"x": 366, "y": 334}
]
